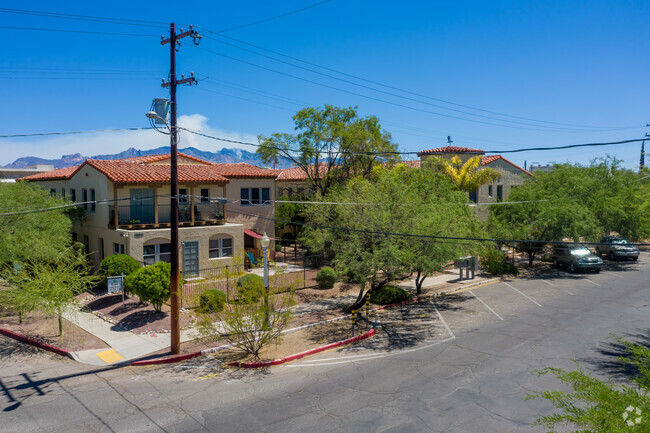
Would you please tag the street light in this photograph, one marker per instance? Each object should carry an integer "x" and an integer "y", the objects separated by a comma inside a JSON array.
[{"x": 265, "y": 252}]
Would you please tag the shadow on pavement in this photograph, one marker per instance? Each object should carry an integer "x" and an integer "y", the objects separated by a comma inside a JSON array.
[
  {"x": 140, "y": 318},
  {"x": 611, "y": 355}
]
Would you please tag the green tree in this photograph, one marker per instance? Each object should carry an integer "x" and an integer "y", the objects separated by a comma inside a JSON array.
[
  {"x": 332, "y": 145},
  {"x": 250, "y": 324},
  {"x": 292, "y": 212},
  {"x": 598, "y": 406},
  {"x": 466, "y": 176},
  {"x": 51, "y": 286},
  {"x": 151, "y": 284},
  {"x": 31, "y": 237},
  {"x": 402, "y": 200}
]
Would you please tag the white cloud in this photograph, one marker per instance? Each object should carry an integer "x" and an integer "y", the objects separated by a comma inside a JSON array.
[{"x": 102, "y": 143}]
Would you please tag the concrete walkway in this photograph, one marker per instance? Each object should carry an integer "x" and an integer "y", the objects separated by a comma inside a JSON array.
[{"x": 126, "y": 345}]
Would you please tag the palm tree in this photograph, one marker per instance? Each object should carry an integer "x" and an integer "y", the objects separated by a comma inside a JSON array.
[{"x": 470, "y": 175}]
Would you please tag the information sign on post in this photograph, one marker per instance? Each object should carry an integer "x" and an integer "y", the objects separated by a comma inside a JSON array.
[{"x": 116, "y": 285}]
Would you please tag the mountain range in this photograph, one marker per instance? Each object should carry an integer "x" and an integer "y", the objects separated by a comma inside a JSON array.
[{"x": 224, "y": 155}]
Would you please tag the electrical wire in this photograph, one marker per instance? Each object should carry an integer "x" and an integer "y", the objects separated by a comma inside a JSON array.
[
  {"x": 73, "y": 132},
  {"x": 274, "y": 17},
  {"x": 412, "y": 153},
  {"x": 41, "y": 29},
  {"x": 122, "y": 21},
  {"x": 397, "y": 88},
  {"x": 563, "y": 129}
]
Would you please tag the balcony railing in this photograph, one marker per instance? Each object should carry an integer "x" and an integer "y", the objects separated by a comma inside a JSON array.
[{"x": 137, "y": 215}]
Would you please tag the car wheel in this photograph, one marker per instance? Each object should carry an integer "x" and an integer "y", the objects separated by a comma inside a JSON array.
[
  {"x": 597, "y": 271},
  {"x": 598, "y": 252},
  {"x": 611, "y": 256},
  {"x": 572, "y": 267},
  {"x": 556, "y": 263},
  {"x": 635, "y": 258}
]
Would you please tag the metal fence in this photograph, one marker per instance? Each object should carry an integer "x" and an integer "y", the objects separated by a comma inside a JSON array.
[{"x": 300, "y": 274}]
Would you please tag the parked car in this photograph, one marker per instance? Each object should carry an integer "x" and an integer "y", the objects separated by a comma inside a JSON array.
[
  {"x": 615, "y": 247},
  {"x": 576, "y": 257}
]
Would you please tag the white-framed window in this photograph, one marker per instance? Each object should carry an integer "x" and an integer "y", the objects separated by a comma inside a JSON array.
[
  {"x": 92, "y": 199},
  {"x": 182, "y": 196},
  {"x": 205, "y": 195},
  {"x": 157, "y": 253},
  {"x": 220, "y": 247},
  {"x": 84, "y": 197},
  {"x": 62, "y": 192},
  {"x": 73, "y": 195},
  {"x": 255, "y": 196},
  {"x": 118, "y": 248},
  {"x": 489, "y": 190}
]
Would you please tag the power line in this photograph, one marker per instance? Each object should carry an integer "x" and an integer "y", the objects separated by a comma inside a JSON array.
[
  {"x": 397, "y": 88},
  {"x": 409, "y": 98},
  {"x": 77, "y": 31},
  {"x": 414, "y": 153},
  {"x": 122, "y": 21},
  {"x": 73, "y": 132},
  {"x": 265, "y": 20}
]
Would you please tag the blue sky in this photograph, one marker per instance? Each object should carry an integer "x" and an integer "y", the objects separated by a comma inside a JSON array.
[{"x": 546, "y": 65}]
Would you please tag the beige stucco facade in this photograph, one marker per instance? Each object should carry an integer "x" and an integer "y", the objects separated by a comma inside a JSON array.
[{"x": 256, "y": 217}]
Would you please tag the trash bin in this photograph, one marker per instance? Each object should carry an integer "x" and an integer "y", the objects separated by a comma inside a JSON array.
[{"x": 468, "y": 263}]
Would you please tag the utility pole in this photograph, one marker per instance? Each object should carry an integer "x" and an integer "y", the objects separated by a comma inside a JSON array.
[{"x": 174, "y": 44}]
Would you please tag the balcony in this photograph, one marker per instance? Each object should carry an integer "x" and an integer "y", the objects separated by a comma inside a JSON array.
[{"x": 137, "y": 215}]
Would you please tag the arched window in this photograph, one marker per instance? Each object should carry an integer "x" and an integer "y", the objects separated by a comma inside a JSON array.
[{"x": 220, "y": 246}]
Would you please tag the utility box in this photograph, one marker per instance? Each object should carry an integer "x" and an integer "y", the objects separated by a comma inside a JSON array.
[{"x": 468, "y": 263}]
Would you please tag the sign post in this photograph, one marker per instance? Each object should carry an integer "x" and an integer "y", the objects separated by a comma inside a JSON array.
[{"x": 116, "y": 284}]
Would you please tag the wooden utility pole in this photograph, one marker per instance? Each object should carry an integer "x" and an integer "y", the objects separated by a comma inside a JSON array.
[{"x": 174, "y": 44}]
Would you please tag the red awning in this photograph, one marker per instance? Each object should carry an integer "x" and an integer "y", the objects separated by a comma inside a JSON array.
[{"x": 256, "y": 235}]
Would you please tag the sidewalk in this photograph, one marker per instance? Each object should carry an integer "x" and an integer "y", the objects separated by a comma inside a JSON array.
[{"x": 126, "y": 345}]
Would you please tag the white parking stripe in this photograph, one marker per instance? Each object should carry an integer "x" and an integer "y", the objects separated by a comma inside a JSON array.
[
  {"x": 488, "y": 307},
  {"x": 523, "y": 294},
  {"x": 342, "y": 357},
  {"x": 443, "y": 320},
  {"x": 555, "y": 285},
  {"x": 618, "y": 276},
  {"x": 587, "y": 279}
]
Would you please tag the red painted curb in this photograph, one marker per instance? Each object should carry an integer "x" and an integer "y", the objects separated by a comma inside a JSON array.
[
  {"x": 36, "y": 343},
  {"x": 302, "y": 354},
  {"x": 169, "y": 360}
]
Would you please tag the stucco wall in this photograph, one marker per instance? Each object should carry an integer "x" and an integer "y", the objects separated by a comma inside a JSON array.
[{"x": 236, "y": 213}]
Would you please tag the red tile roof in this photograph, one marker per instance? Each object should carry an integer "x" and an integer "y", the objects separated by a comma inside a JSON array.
[
  {"x": 298, "y": 173},
  {"x": 450, "y": 149},
  {"x": 490, "y": 159},
  {"x": 59, "y": 173},
  {"x": 244, "y": 170},
  {"x": 154, "y": 158},
  {"x": 121, "y": 171}
]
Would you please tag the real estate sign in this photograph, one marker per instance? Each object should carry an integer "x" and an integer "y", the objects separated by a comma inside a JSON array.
[{"x": 115, "y": 284}]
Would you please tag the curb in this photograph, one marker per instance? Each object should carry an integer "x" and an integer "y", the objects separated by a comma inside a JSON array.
[
  {"x": 31, "y": 341},
  {"x": 303, "y": 354}
]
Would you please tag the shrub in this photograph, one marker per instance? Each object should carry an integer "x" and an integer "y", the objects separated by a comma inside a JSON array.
[
  {"x": 547, "y": 257},
  {"x": 151, "y": 284},
  {"x": 326, "y": 278},
  {"x": 118, "y": 264},
  {"x": 496, "y": 262},
  {"x": 212, "y": 301},
  {"x": 388, "y": 295},
  {"x": 250, "y": 288}
]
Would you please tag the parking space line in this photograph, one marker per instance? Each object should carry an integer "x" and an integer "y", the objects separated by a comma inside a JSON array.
[
  {"x": 556, "y": 286},
  {"x": 443, "y": 320},
  {"x": 523, "y": 294},
  {"x": 341, "y": 357},
  {"x": 617, "y": 276},
  {"x": 488, "y": 307},
  {"x": 587, "y": 279}
]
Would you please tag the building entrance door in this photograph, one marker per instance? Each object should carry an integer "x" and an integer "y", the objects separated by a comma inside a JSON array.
[{"x": 191, "y": 258}]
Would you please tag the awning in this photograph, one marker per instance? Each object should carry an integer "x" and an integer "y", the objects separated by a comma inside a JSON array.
[{"x": 256, "y": 235}]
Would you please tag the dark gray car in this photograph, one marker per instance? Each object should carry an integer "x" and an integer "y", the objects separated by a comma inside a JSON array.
[
  {"x": 615, "y": 247},
  {"x": 576, "y": 257}
]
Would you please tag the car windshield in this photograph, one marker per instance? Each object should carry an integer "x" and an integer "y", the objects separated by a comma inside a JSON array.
[
  {"x": 619, "y": 241},
  {"x": 580, "y": 251}
]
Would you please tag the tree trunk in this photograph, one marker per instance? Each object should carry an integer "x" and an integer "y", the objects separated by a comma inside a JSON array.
[
  {"x": 418, "y": 284},
  {"x": 531, "y": 258},
  {"x": 60, "y": 325}
]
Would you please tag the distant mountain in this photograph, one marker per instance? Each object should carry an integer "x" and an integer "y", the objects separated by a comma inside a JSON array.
[{"x": 224, "y": 155}]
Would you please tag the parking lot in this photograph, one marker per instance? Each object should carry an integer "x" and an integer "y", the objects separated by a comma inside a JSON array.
[{"x": 434, "y": 322}]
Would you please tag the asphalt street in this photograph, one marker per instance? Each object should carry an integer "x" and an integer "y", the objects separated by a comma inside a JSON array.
[{"x": 469, "y": 371}]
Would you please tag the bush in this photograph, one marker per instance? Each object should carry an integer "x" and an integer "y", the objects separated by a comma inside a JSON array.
[
  {"x": 212, "y": 301},
  {"x": 388, "y": 295},
  {"x": 118, "y": 264},
  {"x": 151, "y": 284},
  {"x": 547, "y": 257},
  {"x": 496, "y": 262},
  {"x": 250, "y": 288},
  {"x": 326, "y": 278}
]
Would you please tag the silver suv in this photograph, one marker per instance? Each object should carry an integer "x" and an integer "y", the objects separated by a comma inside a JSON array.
[{"x": 615, "y": 247}]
